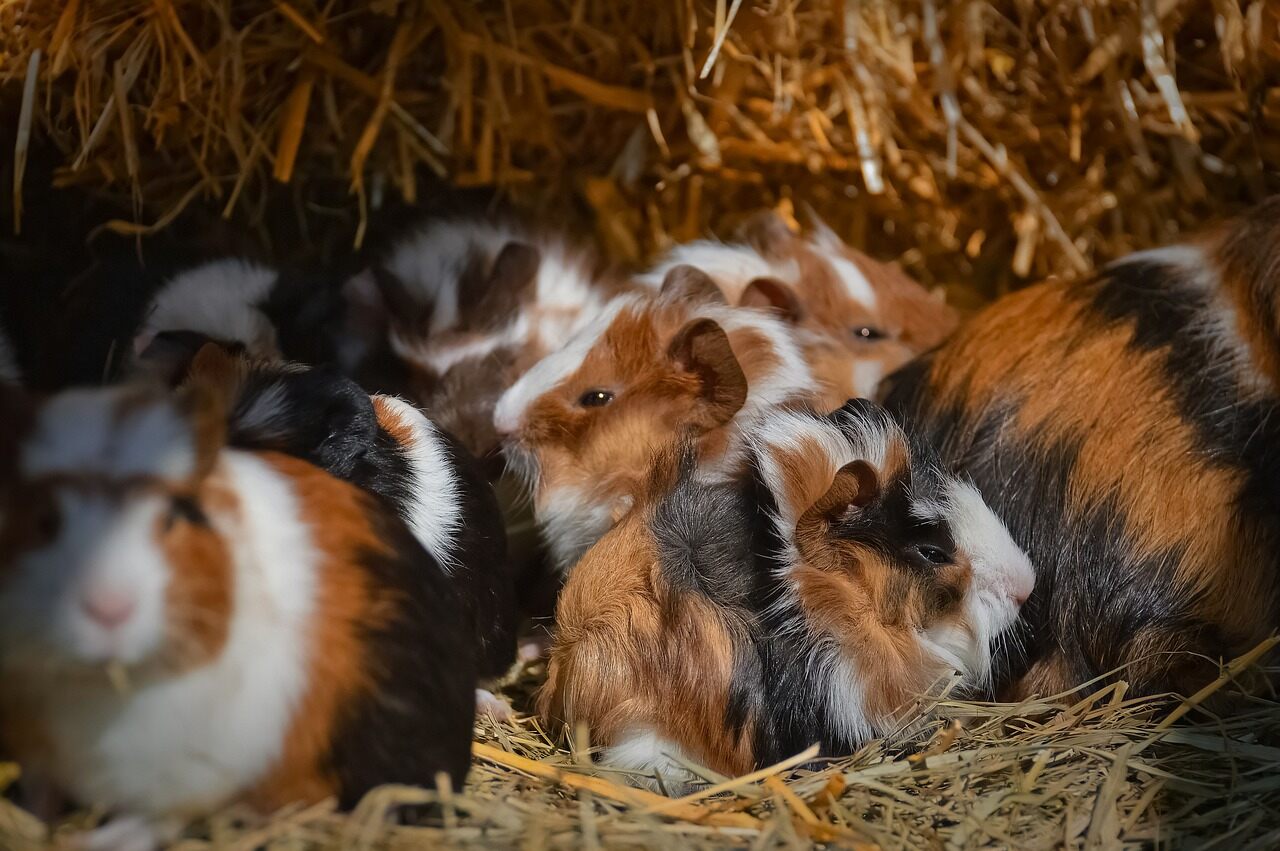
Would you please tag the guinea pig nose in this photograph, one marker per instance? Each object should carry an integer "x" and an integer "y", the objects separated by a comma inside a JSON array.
[{"x": 108, "y": 609}]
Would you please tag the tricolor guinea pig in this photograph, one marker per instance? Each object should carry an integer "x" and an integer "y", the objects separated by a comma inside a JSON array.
[
  {"x": 183, "y": 625},
  {"x": 469, "y": 304},
  {"x": 584, "y": 423},
  {"x": 1127, "y": 429},
  {"x": 857, "y": 319},
  {"x": 809, "y": 600},
  {"x": 389, "y": 448}
]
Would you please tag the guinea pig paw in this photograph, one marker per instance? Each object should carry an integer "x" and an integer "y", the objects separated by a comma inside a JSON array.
[
  {"x": 125, "y": 833},
  {"x": 534, "y": 649},
  {"x": 497, "y": 708}
]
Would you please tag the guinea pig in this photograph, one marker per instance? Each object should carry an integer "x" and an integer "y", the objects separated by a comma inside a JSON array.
[
  {"x": 811, "y": 599},
  {"x": 184, "y": 625},
  {"x": 857, "y": 319},
  {"x": 389, "y": 448},
  {"x": 1127, "y": 429},
  {"x": 469, "y": 304},
  {"x": 583, "y": 424},
  {"x": 223, "y": 301}
]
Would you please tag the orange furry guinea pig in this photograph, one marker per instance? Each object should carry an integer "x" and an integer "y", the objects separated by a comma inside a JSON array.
[
  {"x": 277, "y": 635},
  {"x": 856, "y": 319},
  {"x": 809, "y": 600},
  {"x": 583, "y": 424},
  {"x": 1127, "y": 429}
]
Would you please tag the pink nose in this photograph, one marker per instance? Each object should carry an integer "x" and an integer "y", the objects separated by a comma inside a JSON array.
[{"x": 108, "y": 609}]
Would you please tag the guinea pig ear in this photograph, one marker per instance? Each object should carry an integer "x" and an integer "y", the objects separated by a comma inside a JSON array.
[
  {"x": 773, "y": 295},
  {"x": 856, "y": 485},
  {"x": 207, "y": 406},
  {"x": 167, "y": 355},
  {"x": 491, "y": 300},
  {"x": 768, "y": 233},
  {"x": 685, "y": 283},
  {"x": 702, "y": 348},
  {"x": 402, "y": 309}
]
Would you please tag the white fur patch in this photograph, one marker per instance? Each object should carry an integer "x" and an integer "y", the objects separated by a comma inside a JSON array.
[
  {"x": 571, "y": 521},
  {"x": 1002, "y": 577},
  {"x": 647, "y": 757},
  {"x": 855, "y": 283},
  {"x": 547, "y": 373},
  {"x": 89, "y": 432},
  {"x": 732, "y": 266},
  {"x": 190, "y": 743},
  {"x": 435, "y": 509},
  {"x": 220, "y": 300}
]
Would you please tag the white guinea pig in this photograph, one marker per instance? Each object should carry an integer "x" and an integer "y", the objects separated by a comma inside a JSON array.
[{"x": 279, "y": 635}]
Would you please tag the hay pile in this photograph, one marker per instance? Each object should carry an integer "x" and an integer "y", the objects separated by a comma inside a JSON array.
[
  {"x": 978, "y": 142},
  {"x": 1103, "y": 772}
]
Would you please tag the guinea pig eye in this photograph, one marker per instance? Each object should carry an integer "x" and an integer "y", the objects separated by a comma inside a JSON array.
[
  {"x": 47, "y": 521},
  {"x": 867, "y": 332},
  {"x": 933, "y": 555},
  {"x": 184, "y": 508},
  {"x": 595, "y": 399}
]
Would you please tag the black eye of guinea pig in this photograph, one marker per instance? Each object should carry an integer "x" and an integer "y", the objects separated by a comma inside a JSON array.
[
  {"x": 595, "y": 399},
  {"x": 184, "y": 508},
  {"x": 933, "y": 555},
  {"x": 868, "y": 333}
]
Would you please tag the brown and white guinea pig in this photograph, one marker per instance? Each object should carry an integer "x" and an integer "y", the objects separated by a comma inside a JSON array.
[
  {"x": 468, "y": 304},
  {"x": 857, "y": 319},
  {"x": 1127, "y": 429},
  {"x": 810, "y": 600},
  {"x": 583, "y": 424},
  {"x": 284, "y": 637},
  {"x": 389, "y": 448}
]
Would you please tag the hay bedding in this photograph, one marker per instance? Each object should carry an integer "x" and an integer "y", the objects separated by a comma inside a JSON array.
[
  {"x": 1106, "y": 771},
  {"x": 978, "y": 143}
]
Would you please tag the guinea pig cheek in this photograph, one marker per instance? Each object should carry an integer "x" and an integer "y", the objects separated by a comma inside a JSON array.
[{"x": 112, "y": 608}]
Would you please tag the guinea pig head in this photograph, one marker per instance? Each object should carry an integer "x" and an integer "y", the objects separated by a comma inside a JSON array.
[
  {"x": 858, "y": 319},
  {"x": 584, "y": 423},
  {"x": 108, "y": 552},
  {"x": 464, "y": 345},
  {"x": 897, "y": 569}
]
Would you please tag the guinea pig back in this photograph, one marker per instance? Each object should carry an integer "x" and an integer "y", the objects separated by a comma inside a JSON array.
[{"x": 1126, "y": 429}]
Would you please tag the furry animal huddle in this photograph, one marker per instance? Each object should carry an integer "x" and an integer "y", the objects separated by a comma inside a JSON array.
[{"x": 785, "y": 490}]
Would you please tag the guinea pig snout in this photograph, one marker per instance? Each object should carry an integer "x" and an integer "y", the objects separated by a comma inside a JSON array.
[{"x": 108, "y": 608}]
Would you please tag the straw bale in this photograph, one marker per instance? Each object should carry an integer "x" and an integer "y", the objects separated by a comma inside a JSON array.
[{"x": 981, "y": 143}]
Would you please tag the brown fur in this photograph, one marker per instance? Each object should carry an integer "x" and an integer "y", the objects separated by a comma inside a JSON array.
[
  {"x": 608, "y": 449},
  {"x": 629, "y": 651},
  {"x": 1044, "y": 362}
]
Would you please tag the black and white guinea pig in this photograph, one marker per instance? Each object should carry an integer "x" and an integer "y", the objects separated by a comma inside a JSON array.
[
  {"x": 735, "y": 624},
  {"x": 468, "y": 304},
  {"x": 241, "y": 304},
  {"x": 184, "y": 625},
  {"x": 1127, "y": 429},
  {"x": 387, "y": 447}
]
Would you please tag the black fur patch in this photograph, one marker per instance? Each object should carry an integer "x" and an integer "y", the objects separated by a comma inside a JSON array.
[
  {"x": 481, "y": 551},
  {"x": 417, "y": 718}
]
